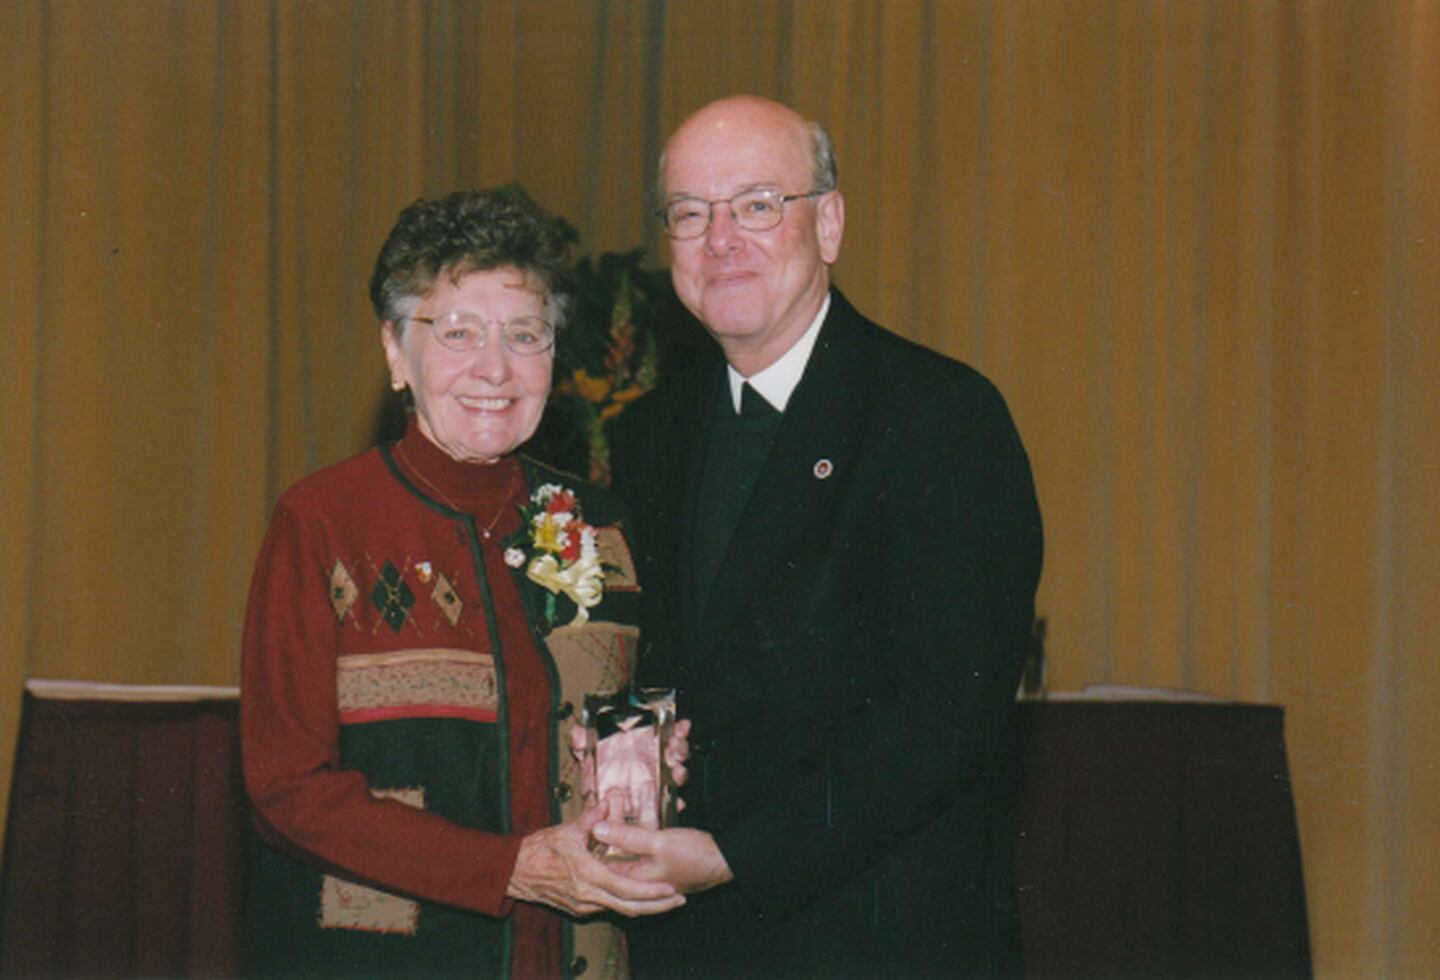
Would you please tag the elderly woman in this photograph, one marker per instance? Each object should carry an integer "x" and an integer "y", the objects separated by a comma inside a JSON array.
[{"x": 422, "y": 620}]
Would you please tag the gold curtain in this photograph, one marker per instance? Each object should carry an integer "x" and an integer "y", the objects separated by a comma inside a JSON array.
[{"x": 1196, "y": 244}]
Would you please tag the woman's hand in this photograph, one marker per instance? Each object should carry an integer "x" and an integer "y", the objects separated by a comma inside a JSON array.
[{"x": 556, "y": 868}]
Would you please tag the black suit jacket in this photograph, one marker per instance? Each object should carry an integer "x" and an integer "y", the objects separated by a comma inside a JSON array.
[{"x": 852, "y": 686}]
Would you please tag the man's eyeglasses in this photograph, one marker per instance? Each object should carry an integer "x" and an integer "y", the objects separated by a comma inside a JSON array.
[
  {"x": 757, "y": 210},
  {"x": 461, "y": 331}
]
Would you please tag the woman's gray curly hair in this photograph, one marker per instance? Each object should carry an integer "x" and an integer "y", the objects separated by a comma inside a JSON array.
[{"x": 471, "y": 231}]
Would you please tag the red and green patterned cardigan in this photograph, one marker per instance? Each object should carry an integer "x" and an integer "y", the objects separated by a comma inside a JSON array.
[{"x": 405, "y": 695}]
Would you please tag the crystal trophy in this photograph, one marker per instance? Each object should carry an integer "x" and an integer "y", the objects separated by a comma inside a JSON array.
[{"x": 627, "y": 734}]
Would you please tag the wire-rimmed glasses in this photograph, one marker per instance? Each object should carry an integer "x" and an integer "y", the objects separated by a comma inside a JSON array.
[
  {"x": 458, "y": 330},
  {"x": 759, "y": 209}
]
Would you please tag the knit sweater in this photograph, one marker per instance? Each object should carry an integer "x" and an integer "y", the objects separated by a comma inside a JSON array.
[{"x": 404, "y": 695}]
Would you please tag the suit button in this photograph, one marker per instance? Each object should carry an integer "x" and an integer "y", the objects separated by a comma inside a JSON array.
[
  {"x": 564, "y": 710},
  {"x": 578, "y": 966},
  {"x": 562, "y": 792}
]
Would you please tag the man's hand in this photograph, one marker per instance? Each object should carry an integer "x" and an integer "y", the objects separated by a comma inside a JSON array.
[
  {"x": 685, "y": 858},
  {"x": 676, "y": 752},
  {"x": 556, "y": 868}
]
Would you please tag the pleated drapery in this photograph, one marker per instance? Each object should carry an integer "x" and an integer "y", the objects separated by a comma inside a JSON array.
[{"x": 1195, "y": 243}]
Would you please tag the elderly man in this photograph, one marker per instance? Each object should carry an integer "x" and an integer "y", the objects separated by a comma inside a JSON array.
[{"x": 840, "y": 542}]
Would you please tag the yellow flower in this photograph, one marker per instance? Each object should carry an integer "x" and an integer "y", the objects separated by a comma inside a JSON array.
[
  {"x": 547, "y": 534},
  {"x": 591, "y": 389}
]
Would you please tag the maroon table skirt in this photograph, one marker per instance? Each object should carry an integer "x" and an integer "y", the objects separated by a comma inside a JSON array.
[{"x": 1156, "y": 840}]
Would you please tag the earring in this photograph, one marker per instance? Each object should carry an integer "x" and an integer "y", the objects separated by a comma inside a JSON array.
[{"x": 396, "y": 385}]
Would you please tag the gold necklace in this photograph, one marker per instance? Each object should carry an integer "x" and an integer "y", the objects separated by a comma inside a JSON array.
[{"x": 485, "y": 532}]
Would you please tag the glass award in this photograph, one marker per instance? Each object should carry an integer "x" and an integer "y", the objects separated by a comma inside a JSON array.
[{"x": 627, "y": 735}]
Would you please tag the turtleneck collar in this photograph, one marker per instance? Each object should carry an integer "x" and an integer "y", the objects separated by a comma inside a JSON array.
[{"x": 492, "y": 492}]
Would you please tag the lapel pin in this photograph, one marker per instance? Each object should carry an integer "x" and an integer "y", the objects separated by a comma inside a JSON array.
[{"x": 823, "y": 468}]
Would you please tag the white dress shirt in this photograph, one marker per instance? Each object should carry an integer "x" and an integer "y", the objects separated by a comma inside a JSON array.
[{"x": 777, "y": 382}]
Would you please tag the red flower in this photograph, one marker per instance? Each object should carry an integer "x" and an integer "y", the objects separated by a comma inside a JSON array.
[
  {"x": 571, "y": 551},
  {"x": 561, "y": 502}
]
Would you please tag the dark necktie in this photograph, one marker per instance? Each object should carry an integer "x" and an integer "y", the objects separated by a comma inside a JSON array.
[
  {"x": 737, "y": 447},
  {"x": 753, "y": 404}
]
